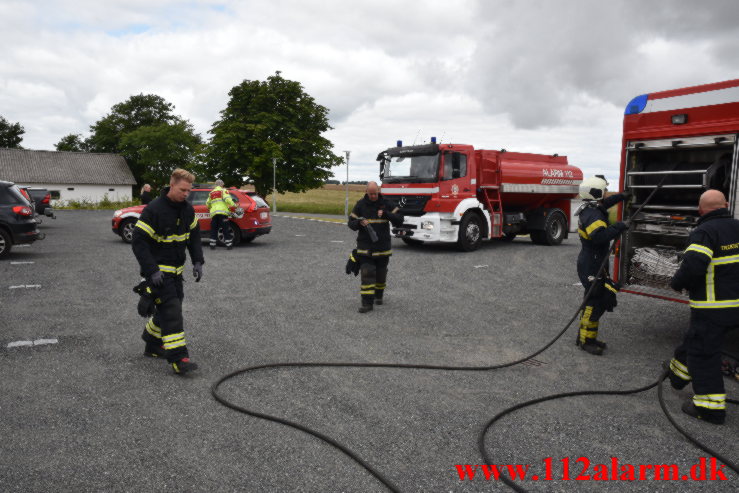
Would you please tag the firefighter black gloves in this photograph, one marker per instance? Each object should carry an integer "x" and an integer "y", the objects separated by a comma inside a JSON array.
[
  {"x": 627, "y": 195},
  {"x": 352, "y": 266},
  {"x": 146, "y": 299},
  {"x": 157, "y": 278},
  {"x": 622, "y": 226},
  {"x": 197, "y": 271}
]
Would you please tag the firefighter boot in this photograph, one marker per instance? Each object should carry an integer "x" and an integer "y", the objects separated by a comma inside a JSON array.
[
  {"x": 153, "y": 350},
  {"x": 184, "y": 366},
  {"x": 716, "y": 417}
]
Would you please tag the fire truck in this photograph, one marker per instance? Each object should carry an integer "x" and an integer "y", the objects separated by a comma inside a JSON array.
[
  {"x": 454, "y": 193},
  {"x": 685, "y": 140}
]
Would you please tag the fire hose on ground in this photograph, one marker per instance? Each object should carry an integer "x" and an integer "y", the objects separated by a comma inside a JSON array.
[{"x": 481, "y": 438}]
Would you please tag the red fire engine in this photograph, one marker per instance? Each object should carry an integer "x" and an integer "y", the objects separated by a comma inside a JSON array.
[
  {"x": 458, "y": 194},
  {"x": 688, "y": 138}
]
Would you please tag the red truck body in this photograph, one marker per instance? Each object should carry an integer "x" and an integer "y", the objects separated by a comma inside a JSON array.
[
  {"x": 458, "y": 194},
  {"x": 688, "y": 137}
]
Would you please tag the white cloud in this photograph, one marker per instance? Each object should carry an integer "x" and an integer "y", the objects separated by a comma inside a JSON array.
[{"x": 535, "y": 76}]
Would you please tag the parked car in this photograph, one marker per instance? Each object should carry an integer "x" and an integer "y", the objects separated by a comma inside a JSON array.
[
  {"x": 255, "y": 220},
  {"x": 42, "y": 201},
  {"x": 17, "y": 222}
]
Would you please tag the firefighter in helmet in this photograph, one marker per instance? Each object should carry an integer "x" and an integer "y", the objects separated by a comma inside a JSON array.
[
  {"x": 167, "y": 229},
  {"x": 710, "y": 272},
  {"x": 595, "y": 237},
  {"x": 371, "y": 217},
  {"x": 220, "y": 205}
]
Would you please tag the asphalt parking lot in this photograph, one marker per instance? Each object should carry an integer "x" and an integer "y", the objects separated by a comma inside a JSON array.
[{"x": 89, "y": 413}]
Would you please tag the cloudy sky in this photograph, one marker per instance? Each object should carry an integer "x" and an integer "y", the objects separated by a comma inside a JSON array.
[{"x": 528, "y": 75}]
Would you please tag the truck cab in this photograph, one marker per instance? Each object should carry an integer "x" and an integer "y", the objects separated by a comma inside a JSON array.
[
  {"x": 454, "y": 193},
  {"x": 685, "y": 140}
]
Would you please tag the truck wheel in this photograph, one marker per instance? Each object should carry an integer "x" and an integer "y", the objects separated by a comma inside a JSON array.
[
  {"x": 554, "y": 231},
  {"x": 126, "y": 230},
  {"x": 5, "y": 244},
  {"x": 470, "y": 233},
  {"x": 411, "y": 241}
]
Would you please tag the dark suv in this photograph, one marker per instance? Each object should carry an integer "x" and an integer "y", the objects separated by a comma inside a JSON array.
[
  {"x": 17, "y": 224},
  {"x": 42, "y": 200}
]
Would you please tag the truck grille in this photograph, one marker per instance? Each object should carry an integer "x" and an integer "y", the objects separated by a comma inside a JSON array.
[{"x": 409, "y": 205}]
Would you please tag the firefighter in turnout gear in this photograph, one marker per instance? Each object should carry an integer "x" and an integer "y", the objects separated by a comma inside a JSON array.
[
  {"x": 595, "y": 237},
  {"x": 220, "y": 205},
  {"x": 166, "y": 229},
  {"x": 371, "y": 217},
  {"x": 710, "y": 272}
]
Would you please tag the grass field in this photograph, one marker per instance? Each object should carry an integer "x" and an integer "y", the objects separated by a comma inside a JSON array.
[{"x": 326, "y": 200}]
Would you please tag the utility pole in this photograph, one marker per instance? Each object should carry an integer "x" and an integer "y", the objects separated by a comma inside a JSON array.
[
  {"x": 346, "y": 203},
  {"x": 274, "y": 184}
]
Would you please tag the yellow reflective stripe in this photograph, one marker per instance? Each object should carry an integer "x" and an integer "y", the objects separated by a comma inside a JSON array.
[
  {"x": 380, "y": 285},
  {"x": 146, "y": 228},
  {"x": 714, "y": 304},
  {"x": 362, "y": 251},
  {"x": 367, "y": 286},
  {"x": 710, "y": 401},
  {"x": 710, "y": 285},
  {"x": 680, "y": 369},
  {"x": 386, "y": 252},
  {"x": 376, "y": 221},
  {"x": 586, "y": 314},
  {"x": 583, "y": 234},
  {"x": 731, "y": 259},
  {"x": 592, "y": 325},
  {"x": 194, "y": 223},
  {"x": 595, "y": 225},
  {"x": 351, "y": 257},
  {"x": 174, "y": 341},
  {"x": 152, "y": 329},
  {"x": 172, "y": 269},
  {"x": 611, "y": 288},
  {"x": 586, "y": 334},
  {"x": 695, "y": 247}
]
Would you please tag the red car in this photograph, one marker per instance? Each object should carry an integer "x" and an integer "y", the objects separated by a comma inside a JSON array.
[{"x": 254, "y": 221}]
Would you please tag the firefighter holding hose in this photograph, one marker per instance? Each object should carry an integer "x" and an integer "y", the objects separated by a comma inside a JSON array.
[
  {"x": 371, "y": 217},
  {"x": 596, "y": 234}
]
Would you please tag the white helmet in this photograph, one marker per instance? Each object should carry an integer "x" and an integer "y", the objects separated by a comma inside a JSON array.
[{"x": 593, "y": 188}]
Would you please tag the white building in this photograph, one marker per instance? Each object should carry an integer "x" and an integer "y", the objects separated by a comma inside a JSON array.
[{"x": 69, "y": 175}]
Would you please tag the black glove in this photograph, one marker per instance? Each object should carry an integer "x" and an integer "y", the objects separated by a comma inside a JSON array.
[
  {"x": 197, "y": 271},
  {"x": 626, "y": 195},
  {"x": 622, "y": 226},
  {"x": 157, "y": 278},
  {"x": 147, "y": 302}
]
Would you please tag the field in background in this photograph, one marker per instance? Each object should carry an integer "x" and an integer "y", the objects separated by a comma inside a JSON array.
[{"x": 328, "y": 199}]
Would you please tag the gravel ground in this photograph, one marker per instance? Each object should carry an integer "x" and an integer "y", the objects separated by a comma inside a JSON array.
[{"x": 90, "y": 413}]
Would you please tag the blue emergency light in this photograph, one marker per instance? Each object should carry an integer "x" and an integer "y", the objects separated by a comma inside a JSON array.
[
  {"x": 637, "y": 105},
  {"x": 400, "y": 143},
  {"x": 433, "y": 140}
]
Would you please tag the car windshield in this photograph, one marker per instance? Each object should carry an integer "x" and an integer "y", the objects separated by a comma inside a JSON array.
[{"x": 411, "y": 169}]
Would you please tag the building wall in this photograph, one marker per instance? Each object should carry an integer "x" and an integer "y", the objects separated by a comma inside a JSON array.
[{"x": 92, "y": 193}]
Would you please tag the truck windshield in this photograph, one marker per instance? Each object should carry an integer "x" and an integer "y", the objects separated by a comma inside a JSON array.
[{"x": 412, "y": 169}]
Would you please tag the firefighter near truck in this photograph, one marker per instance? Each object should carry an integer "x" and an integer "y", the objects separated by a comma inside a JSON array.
[
  {"x": 454, "y": 193},
  {"x": 683, "y": 142}
]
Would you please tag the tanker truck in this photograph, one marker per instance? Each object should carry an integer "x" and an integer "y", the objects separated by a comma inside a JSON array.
[{"x": 454, "y": 193}]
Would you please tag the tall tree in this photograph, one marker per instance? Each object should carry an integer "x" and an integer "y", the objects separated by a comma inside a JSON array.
[
  {"x": 129, "y": 130},
  {"x": 266, "y": 120},
  {"x": 11, "y": 134},
  {"x": 157, "y": 149},
  {"x": 71, "y": 142}
]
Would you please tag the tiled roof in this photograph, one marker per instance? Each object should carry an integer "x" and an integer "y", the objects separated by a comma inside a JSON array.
[{"x": 25, "y": 166}]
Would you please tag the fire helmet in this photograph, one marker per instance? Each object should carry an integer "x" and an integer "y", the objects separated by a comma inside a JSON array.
[{"x": 593, "y": 188}]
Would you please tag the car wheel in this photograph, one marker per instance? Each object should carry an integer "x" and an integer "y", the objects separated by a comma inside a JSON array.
[
  {"x": 126, "y": 229},
  {"x": 470, "y": 232},
  {"x": 411, "y": 241},
  {"x": 235, "y": 234},
  {"x": 5, "y": 243}
]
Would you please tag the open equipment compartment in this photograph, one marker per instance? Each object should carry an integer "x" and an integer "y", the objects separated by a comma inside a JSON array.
[{"x": 651, "y": 249}]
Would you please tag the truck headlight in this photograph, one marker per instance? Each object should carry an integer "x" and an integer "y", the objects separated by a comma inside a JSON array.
[{"x": 427, "y": 225}]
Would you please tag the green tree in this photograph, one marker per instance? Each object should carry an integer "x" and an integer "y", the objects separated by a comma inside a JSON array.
[
  {"x": 135, "y": 122},
  {"x": 71, "y": 142},
  {"x": 157, "y": 149},
  {"x": 11, "y": 134},
  {"x": 266, "y": 120}
]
